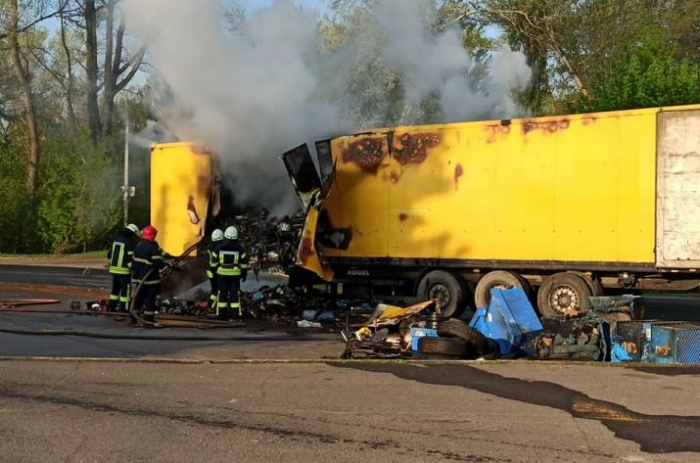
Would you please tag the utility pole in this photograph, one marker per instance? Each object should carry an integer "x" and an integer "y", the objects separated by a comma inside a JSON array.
[{"x": 127, "y": 191}]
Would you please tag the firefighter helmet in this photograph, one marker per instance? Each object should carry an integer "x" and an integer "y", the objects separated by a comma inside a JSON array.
[
  {"x": 149, "y": 233},
  {"x": 217, "y": 235},
  {"x": 134, "y": 229},
  {"x": 231, "y": 233}
]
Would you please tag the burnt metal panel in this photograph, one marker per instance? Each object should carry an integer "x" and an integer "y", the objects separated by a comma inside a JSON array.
[
  {"x": 412, "y": 147},
  {"x": 301, "y": 169},
  {"x": 302, "y": 172},
  {"x": 325, "y": 159}
]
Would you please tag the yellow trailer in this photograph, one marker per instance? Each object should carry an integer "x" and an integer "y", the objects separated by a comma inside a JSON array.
[
  {"x": 181, "y": 189},
  {"x": 569, "y": 204}
]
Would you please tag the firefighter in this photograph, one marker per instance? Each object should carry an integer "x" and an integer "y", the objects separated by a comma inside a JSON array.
[
  {"x": 149, "y": 260},
  {"x": 120, "y": 256},
  {"x": 217, "y": 236},
  {"x": 233, "y": 268}
]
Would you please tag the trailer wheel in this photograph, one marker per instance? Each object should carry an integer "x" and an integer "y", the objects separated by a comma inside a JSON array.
[
  {"x": 498, "y": 279},
  {"x": 447, "y": 288},
  {"x": 562, "y": 292},
  {"x": 452, "y": 347},
  {"x": 594, "y": 285}
]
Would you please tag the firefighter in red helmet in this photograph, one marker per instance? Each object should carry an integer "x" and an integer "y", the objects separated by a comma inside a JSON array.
[{"x": 149, "y": 260}]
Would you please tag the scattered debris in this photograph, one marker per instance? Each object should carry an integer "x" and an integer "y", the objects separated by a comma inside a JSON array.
[{"x": 14, "y": 303}]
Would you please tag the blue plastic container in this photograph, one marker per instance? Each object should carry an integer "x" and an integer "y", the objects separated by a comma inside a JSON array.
[
  {"x": 510, "y": 320},
  {"x": 417, "y": 333}
]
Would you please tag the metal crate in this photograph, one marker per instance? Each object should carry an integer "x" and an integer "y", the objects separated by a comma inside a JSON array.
[
  {"x": 653, "y": 341},
  {"x": 673, "y": 343}
]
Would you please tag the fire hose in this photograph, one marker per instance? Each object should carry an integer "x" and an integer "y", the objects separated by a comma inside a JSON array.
[{"x": 174, "y": 265}]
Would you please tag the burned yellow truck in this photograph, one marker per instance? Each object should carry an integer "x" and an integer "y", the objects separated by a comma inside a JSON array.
[{"x": 569, "y": 205}]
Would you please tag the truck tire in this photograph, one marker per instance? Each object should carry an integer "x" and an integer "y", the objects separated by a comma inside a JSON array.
[
  {"x": 493, "y": 352},
  {"x": 498, "y": 279},
  {"x": 594, "y": 285},
  {"x": 450, "y": 290},
  {"x": 442, "y": 346},
  {"x": 454, "y": 328},
  {"x": 562, "y": 292}
]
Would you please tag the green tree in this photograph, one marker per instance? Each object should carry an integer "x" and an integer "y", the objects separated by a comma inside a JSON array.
[{"x": 648, "y": 77}]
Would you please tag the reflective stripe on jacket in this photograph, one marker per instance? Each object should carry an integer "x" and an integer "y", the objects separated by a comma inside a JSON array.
[
  {"x": 120, "y": 255},
  {"x": 148, "y": 256},
  {"x": 213, "y": 264},
  {"x": 231, "y": 258}
]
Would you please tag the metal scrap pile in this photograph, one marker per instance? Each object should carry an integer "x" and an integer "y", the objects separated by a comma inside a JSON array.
[
  {"x": 307, "y": 307},
  {"x": 271, "y": 241}
]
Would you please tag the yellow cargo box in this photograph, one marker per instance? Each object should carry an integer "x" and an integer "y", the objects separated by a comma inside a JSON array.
[
  {"x": 611, "y": 193},
  {"x": 181, "y": 182},
  {"x": 579, "y": 188}
]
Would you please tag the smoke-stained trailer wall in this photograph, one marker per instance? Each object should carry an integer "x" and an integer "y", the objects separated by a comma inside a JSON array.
[{"x": 609, "y": 194}]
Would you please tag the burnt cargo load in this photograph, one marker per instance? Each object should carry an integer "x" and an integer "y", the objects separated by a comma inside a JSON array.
[{"x": 570, "y": 205}]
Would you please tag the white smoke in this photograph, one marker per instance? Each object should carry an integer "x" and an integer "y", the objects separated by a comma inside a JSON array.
[{"x": 253, "y": 94}]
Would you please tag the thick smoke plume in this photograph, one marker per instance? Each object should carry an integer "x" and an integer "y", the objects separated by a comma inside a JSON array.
[{"x": 273, "y": 82}]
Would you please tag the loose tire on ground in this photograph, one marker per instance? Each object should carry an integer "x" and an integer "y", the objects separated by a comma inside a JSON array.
[
  {"x": 498, "y": 279},
  {"x": 452, "y": 347},
  {"x": 449, "y": 289},
  {"x": 561, "y": 292},
  {"x": 454, "y": 328}
]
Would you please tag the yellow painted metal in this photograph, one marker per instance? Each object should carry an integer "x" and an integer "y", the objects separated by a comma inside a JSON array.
[
  {"x": 577, "y": 188},
  {"x": 308, "y": 256},
  {"x": 181, "y": 180}
]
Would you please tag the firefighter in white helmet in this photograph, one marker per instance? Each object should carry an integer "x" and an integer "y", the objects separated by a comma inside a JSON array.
[
  {"x": 233, "y": 268},
  {"x": 120, "y": 256},
  {"x": 217, "y": 238}
]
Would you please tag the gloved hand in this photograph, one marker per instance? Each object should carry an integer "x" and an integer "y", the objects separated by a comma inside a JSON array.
[{"x": 244, "y": 275}]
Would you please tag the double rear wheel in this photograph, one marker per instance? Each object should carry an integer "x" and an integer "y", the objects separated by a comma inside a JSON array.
[
  {"x": 558, "y": 295},
  {"x": 565, "y": 292}
]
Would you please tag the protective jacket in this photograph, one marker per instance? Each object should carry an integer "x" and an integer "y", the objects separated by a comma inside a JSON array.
[
  {"x": 121, "y": 254},
  {"x": 148, "y": 256},
  {"x": 213, "y": 264},
  {"x": 231, "y": 258}
]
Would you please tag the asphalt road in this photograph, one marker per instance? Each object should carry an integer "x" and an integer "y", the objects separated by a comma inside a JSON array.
[
  {"x": 175, "y": 395},
  {"x": 77, "y": 277},
  {"x": 516, "y": 412}
]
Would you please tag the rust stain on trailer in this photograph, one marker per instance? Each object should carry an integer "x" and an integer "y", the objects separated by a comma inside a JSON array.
[
  {"x": 412, "y": 148},
  {"x": 545, "y": 126},
  {"x": 588, "y": 120},
  {"x": 367, "y": 153},
  {"x": 306, "y": 249},
  {"x": 496, "y": 131},
  {"x": 459, "y": 171},
  {"x": 392, "y": 177}
]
